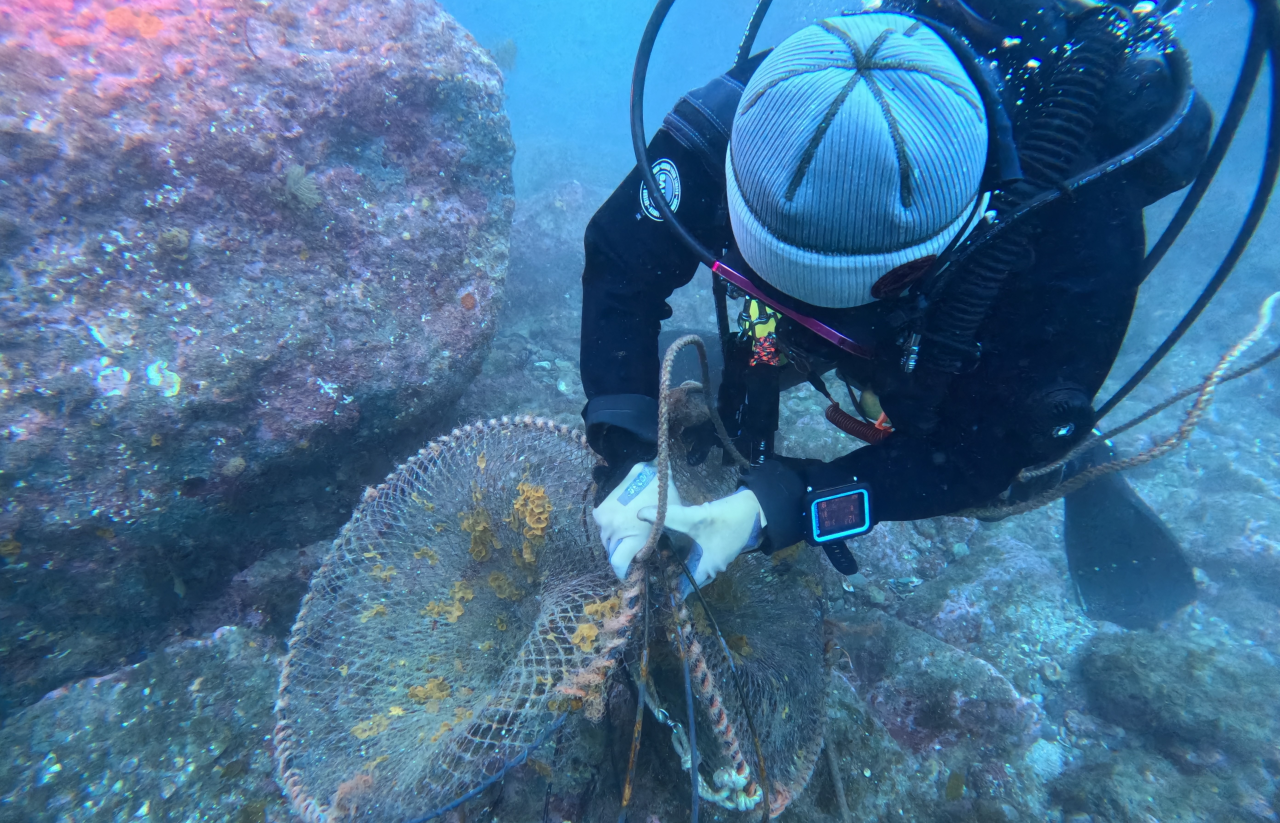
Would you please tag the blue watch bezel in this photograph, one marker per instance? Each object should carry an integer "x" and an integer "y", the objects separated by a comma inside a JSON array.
[{"x": 815, "y": 498}]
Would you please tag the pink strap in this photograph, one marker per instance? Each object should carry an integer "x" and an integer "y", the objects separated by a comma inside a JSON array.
[{"x": 821, "y": 329}]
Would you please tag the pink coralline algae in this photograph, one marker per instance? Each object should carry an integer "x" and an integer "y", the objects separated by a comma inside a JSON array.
[{"x": 228, "y": 232}]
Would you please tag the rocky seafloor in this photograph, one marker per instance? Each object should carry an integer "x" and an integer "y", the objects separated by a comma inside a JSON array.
[{"x": 968, "y": 683}]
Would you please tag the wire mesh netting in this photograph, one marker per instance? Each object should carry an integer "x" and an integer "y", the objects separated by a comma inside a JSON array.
[
  {"x": 767, "y": 670},
  {"x": 458, "y": 617},
  {"x": 467, "y": 609}
]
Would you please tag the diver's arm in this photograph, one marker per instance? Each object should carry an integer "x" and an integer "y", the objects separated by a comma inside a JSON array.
[
  {"x": 910, "y": 478},
  {"x": 1047, "y": 347},
  {"x": 633, "y": 264}
]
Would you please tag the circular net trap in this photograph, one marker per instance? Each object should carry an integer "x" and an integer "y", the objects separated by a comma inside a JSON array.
[
  {"x": 761, "y": 679},
  {"x": 758, "y": 664},
  {"x": 467, "y": 610}
]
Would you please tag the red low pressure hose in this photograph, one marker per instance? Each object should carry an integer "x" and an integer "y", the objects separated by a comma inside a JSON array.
[{"x": 847, "y": 423}]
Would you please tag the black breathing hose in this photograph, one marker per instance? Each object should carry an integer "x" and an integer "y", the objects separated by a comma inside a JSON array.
[
  {"x": 705, "y": 256},
  {"x": 753, "y": 29},
  {"x": 1267, "y": 27},
  {"x": 1058, "y": 130},
  {"x": 1249, "y": 71}
]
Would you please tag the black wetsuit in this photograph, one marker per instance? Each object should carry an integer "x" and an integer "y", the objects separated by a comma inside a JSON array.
[{"x": 1053, "y": 332}]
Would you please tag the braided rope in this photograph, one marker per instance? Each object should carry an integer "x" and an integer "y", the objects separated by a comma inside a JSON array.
[
  {"x": 1183, "y": 394},
  {"x": 1204, "y": 400},
  {"x": 633, "y": 586},
  {"x": 735, "y": 786},
  {"x": 745, "y": 792},
  {"x": 664, "y": 430}
]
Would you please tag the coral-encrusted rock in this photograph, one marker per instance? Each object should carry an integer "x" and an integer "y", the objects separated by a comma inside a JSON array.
[
  {"x": 265, "y": 596},
  {"x": 963, "y": 734},
  {"x": 930, "y": 695},
  {"x": 250, "y": 253},
  {"x": 1008, "y": 584},
  {"x": 1132, "y": 785}
]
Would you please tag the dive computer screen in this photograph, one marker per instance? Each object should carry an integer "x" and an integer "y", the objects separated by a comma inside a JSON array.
[{"x": 840, "y": 513}]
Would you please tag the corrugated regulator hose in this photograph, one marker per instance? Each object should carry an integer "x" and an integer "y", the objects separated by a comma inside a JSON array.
[
  {"x": 861, "y": 429},
  {"x": 1059, "y": 129}
]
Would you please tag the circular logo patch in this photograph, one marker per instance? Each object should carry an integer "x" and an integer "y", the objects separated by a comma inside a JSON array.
[{"x": 668, "y": 182}]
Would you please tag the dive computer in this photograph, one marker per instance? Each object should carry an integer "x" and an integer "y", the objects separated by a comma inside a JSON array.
[
  {"x": 833, "y": 514},
  {"x": 837, "y": 513}
]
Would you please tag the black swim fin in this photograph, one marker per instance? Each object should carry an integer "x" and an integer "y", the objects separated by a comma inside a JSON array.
[{"x": 1127, "y": 566}]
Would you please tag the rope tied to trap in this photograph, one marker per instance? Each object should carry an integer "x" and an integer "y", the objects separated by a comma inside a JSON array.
[
  {"x": 1204, "y": 394},
  {"x": 466, "y": 618}
]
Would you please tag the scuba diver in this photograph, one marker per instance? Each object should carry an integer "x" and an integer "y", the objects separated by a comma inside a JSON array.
[{"x": 854, "y": 185}]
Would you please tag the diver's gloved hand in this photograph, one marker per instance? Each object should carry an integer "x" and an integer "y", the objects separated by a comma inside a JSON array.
[
  {"x": 621, "y": 450},
  {"x": 699, "y": 440},
  {"x": 622, "y": 531},
  {"x": 721, "y": 530}
]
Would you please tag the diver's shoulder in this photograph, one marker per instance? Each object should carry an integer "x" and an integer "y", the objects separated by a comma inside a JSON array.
[{"x": 702, "y": 120}]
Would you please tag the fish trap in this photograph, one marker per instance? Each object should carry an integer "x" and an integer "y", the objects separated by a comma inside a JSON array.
[{"x": 467, "y": 610}]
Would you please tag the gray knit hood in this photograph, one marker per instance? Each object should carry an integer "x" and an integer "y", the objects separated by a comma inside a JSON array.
[{"x": 858, "y": 146}]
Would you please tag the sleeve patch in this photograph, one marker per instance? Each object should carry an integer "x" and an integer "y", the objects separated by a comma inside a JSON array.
[{"x": 668, "y": 182}]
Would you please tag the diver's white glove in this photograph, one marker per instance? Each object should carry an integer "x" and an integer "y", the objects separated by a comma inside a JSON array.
[
  {"x": 622, "y": 532},
  {"x": 721, "y": 530}
]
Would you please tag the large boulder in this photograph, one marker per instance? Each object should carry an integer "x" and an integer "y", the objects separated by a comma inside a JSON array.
[
  {"x": 250, "y": 254},
  {"x": 1200, "y": 698},
  {"x": 180, "y": 736}
]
